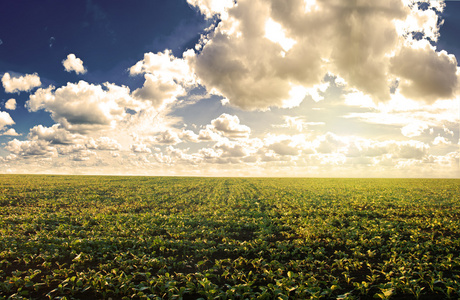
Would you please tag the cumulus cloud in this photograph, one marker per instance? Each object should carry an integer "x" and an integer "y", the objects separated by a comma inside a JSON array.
[
  {"x": 284, "y": 147},
  {"x": 329, "y": 143},
  {"x": 414, "y": 129},
  {"x": 5, "y": 120},
  {"x": 84, "y": 107},
  {"x": 246, "y": 59},
  {"x": 210, "y": 8},
  {"x": 410, "y": 150},
  {"x": 294, "y": 122},
  {"x": 140, "y": 148},
  {"x": 165, "y": 65},
  {"x": 440, "y": 140},
  {"x": 158, "y": 90},
  {"x": 73, "y": 63},
  {"x": 70, "y": 149},
  {"x": 10, "y": 104},
  {"x": 103, "y": 143},
  {"x": 230, "y": 126},
  {"x": 189, "y": 136},
  {"x": 358, "y": 98},
  {"x": 31, "y": 148},
  {"x": 422, "y": 21},
  {"x": 229, "y": 149},
  {"x": 167, "y": 137},
  {"x": 367, "y": 148},
  {"x": 388, "y": 149},
  {"x": 413, "y": 118},
  {"x": 10, "y": 132},
  {"x": 54, "y": 135},
  {"x": 317, "y": 91},
  {"x": 222, "y": 152},
  {"x": 166, "y": 77},
  {"x": 297, "y": 123},
  {"x": 83, "y": 155},
  {"x": 21, "y": 83},
  {"x": 352, "y": 62},
  {"x": 425, "y": 74},
  {"x": 209, "y": 134},
  {"x": 50, "y": 141}
]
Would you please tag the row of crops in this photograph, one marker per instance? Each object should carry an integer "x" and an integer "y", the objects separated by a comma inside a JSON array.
[{"x": 78, "y": 237}]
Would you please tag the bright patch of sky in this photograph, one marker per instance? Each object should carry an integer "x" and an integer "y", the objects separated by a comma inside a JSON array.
[{"x": 230, "y": 88}]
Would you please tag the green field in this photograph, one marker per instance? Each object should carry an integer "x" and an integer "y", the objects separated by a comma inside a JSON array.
[{"x": 82, "y": 237}]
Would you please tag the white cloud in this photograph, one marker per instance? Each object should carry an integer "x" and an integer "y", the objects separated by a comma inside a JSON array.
[
  {"x": 358, "y": 98},
  {"x": 104, "y": 143},
  {"x": 164, "y": 65},
  {"x": 159, "y": 91},
  {"x": 229, "y": 149},
  {"x": 316, "y": 92},
  {"x": 413, "y": 117},
  {"x": 209, "y": 134},
  {"x": 10, "y": 132},
  {"x": 21, "y": 83},
  {"x": 10, "y": 104},
  {"x": 410, "y": 150},
  {"x": 239, "y": 63},
  {"x": 264, "y": 53},
  {"x": 424, "y": 22},
  {"x": 70, "y": 149},
  {"x": 439, "y": 140},
  {"x": 414, "y": 129},
  {"x": 166, "y": 78},
  {"x": 284, "y": 147},
  {"x": 84, "y": 155},
  {"x": 72, "y": 63},
  {"x": 329, "y": 143},
  {"x": 357, "y": 61},
  {"x": 447, "y": 130},
  {"x": 54, "y": 140},
  {"x": 294, "y": 122},
  {"x": 140, "y": 148},
  {"x": 275, "y": 33},
  {"x": 425, "y": 74},
  {"x": 175, "y": 155},
  {"x": 54, "y": 134},
  {"x": 84, "y": 107},
  {"x": 230, "y": 126},
  {"x": 31, "y": 148},
  {"x": 225, "y": 152},
  {"x": 297, "y": 123},
  {"x": 208, "y": 153},
  {"x": 209, "y": 8},
  {"x": 5, "y": 120},
  {"x": 386, "y": 150},
  {"x": 189, "y": 136},
  {"x": 300, "y": 154},
  {"x": 296, "y": 95},
  {"x": 167, "y": 137}
]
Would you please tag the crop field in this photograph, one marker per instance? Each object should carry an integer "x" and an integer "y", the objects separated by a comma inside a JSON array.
[{"x": 84, "y": 237}]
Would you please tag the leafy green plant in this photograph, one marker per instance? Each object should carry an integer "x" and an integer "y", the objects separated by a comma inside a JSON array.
[{"x": 80, "y": 237}]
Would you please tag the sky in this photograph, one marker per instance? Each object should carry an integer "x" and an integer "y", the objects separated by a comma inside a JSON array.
[{"x": 309, "y": 88}]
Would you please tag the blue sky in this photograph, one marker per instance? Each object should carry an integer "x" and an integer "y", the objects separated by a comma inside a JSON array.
[{"x": 234, "y": 88}]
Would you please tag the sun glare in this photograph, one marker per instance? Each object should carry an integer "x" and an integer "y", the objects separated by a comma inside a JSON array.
[
  {"x": 276, "y": 33},
  {"x": 310, "y": 5},
  {"x": 296, "y": 96}
]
